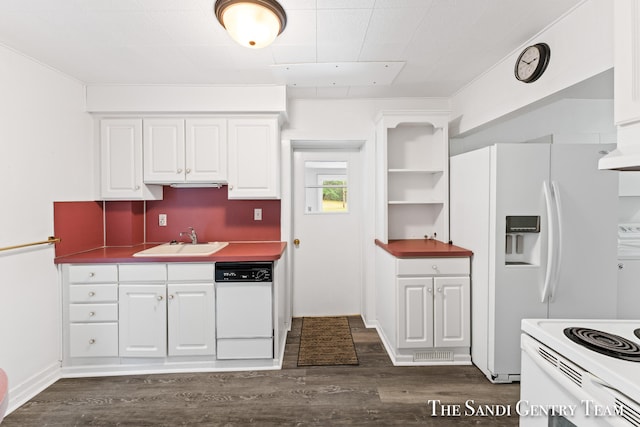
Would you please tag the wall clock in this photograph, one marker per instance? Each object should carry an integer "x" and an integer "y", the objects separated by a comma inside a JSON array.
[{"x": 532, "y": 62}]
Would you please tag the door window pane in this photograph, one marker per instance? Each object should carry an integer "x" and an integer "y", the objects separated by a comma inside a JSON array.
[{"x": 326, "y": 187}]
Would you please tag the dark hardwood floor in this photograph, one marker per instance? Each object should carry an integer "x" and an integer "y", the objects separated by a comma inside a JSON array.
[{"x": 372, "y": 393}]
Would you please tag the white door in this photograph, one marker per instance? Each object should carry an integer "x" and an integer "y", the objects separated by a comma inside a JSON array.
[{"x": 326, "y": 223}]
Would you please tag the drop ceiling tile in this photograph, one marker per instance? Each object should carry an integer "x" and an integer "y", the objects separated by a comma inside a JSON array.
[
  {"x": 289, "y": 5},
  {"x": 283, "y": 54},
  {"x": 189, "y": 27},
  {"x": 337, "y": 26},
  {"x": 300, "y": 29},
  {"x": 393, "y": 25},
  {"x": 346, "y": 4},
  {"x": 338, "y": 52},
  {"x": 410, "y": 4}
]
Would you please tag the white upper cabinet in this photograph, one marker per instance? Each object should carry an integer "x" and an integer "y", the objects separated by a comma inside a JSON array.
[
  {"x": 254, "y": 158},
  {"x": 185, "y": 151},
  {"x": 627, "y": 62},
  {"x": 206, "y": 150},
  {"x": 164, "y": 151},
  {"x": 121, "y": 174}
]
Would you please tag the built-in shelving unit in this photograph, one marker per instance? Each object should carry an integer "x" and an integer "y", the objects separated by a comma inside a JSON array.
[{"x": 412, "y": 175}]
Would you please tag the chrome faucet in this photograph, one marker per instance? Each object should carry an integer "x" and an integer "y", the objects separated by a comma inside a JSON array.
[{"x": 192, "y": 235}]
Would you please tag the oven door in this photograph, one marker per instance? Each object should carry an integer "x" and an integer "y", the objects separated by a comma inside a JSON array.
[{"x": 556, "y": 392}]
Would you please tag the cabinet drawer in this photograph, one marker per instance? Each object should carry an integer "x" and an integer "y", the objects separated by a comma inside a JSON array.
[
  {"x": 93, "y": 340},
  {"x": 93, "y": 312},
  {"x": 93, "y": 273},
  {"x": 191, "y": 271},
  {"x": 432, "y": 266},
  {"x": 143, "y": 272},
  {"x": 93, "y": 293}
]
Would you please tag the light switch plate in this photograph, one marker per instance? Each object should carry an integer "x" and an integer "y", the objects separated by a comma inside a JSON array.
[
  {"x": 257, "y": 214},
  {"x": 162, "y": 220}
]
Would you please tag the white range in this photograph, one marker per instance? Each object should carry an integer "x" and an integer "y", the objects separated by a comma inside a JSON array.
[{"x": 580, "y": 372}]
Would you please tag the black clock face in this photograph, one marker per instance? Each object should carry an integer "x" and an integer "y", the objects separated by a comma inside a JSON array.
[{"x": 532, "y": 62}]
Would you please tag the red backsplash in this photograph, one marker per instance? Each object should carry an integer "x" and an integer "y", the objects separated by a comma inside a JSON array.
[
  {"x": 79, "y": 225},
  {"x": 83, "y": 226},
  {"x": 212, "y": 215},
  {"x": 124, "y": 223}
]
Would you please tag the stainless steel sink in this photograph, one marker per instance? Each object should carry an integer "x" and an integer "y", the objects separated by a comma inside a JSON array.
[{"x": 182, "y": 249}]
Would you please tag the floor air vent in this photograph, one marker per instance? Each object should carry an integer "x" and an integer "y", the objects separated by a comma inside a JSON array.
[{"x": 428, "y": 356}]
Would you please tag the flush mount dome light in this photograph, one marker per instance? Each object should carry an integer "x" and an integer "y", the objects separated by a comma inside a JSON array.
[{"x": 251, "y": 23}]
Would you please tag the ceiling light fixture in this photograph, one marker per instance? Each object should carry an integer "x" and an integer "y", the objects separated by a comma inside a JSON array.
[{"x": 251, "y": 23}]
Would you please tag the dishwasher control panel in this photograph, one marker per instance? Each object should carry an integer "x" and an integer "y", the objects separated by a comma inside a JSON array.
[{"x": 244, "y": 271}]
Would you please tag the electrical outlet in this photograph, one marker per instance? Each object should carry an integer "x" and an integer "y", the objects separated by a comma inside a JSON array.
[
  {"x": 257, "y": 214},
  {"x": 162, "y": 220}
]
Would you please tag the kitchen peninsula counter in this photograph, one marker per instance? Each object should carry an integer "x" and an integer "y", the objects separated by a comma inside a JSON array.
[
  {"x": 235, "y": 251},
  {"x": 419, "y": 248}
]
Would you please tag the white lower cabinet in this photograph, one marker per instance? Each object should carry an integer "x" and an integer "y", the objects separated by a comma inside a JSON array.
[
  {"x": 92, "y": 315},
  {"x": 191, "y": 326},
  {"x": 118, "y": 315},
  {"x": 430, "y": 320},
  {"x": 173, "y": 317},
  {"x": 143, "y": 320},
  {"x": 433, "y": 312}
]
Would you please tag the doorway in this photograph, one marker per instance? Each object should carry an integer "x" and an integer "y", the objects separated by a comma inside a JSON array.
[{"x": 327, "y": 244}]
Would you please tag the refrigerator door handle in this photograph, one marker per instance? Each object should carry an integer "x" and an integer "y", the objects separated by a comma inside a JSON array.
[
  {"x": 550, "y": 242},
  {"x": 558, "y": 239}
]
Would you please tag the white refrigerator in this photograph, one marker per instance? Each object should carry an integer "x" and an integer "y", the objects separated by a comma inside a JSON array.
[{"x": 541, "y": 220}]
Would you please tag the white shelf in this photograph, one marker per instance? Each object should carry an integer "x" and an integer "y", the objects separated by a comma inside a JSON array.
[
  {"x": 412, "y": 161},
  {"x": 415, "y": 202},
  {"x": 408, "y": 171}
]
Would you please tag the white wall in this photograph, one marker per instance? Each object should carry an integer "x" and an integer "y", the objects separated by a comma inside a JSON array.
[
  {"x": 581, "y": 47},
  {"x": 346, "y": 120},
  {"x": 565, "y": 121},
  {"x": 46, "y": 154}
]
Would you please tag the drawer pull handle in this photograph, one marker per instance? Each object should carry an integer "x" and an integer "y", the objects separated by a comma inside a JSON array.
[
  {"x": 92, "y": 274},
  {"x": 435, "y": 267},
  {"x": 92, "y": 294},
  {"x": 170, "y": 296},
  {"x": 439, "y": 289},
  {"x": 92, "y": 341},
  {"x": 429, "y": 290},
  {"x": 92, "y": 313},
  {"x": 160, "y": 297}
]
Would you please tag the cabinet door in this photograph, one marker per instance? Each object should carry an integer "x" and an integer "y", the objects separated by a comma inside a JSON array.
[
  {"x": 627, "y": 55},
  {"x": 415, "y": 312},
  {"x": 206, "y": 150},
  {"x": 452, "y": 311},
  {"x": 254, "y": 159},
  {"x": 121, "y": 161},
  {"x": 142, "y": 320},
  {"x": 191, "y": 319},
  {"x": 164, "y": 151}
]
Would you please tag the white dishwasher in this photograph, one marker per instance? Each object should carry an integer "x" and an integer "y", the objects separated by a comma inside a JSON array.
[{"x": 244, "y": 313}]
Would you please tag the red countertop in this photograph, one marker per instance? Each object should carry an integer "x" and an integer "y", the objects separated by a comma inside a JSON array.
[
  {"x": 235, "y": 251},
  {"x": 415, "y": 248}
]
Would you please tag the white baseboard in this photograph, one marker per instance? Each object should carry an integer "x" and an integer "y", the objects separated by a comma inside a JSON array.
[{"x": 22, "y": 393}]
